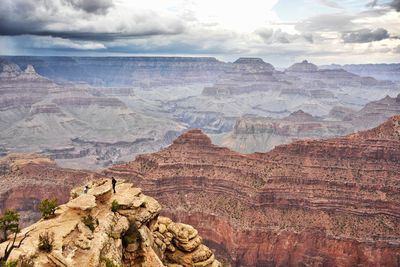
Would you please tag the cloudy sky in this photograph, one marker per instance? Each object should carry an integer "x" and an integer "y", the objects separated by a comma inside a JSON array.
[{"x": 279, "y": 31}]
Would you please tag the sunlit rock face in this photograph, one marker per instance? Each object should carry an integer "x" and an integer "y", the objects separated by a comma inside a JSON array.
[
  {"x": 331, "y": 202},
  {"x": 131, "y": 235}
]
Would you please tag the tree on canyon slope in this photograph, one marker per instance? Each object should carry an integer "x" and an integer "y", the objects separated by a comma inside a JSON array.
[{"x": 9, "y": 223}]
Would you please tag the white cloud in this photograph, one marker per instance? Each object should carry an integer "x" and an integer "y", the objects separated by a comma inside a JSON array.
[{"x": 221, "y": 28}]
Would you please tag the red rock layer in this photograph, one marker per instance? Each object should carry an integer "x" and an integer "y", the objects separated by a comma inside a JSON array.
[
  {"x": 27, "y": 179},
  {"x": 311, "y": 203}
]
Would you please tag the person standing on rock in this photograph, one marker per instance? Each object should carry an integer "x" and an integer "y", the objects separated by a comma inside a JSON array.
[
  {"x": 114, "y": 182},
  {"x": 86, "y": 189}
]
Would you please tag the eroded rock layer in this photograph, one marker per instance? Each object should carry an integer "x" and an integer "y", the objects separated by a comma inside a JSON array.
[
  {"x": 312, "y": 203},
  {"x": 87, "y": 231}
]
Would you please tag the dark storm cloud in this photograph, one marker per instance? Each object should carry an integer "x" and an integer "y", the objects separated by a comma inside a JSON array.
[
  {"x": 395, "y": 4},
  {"x": 80, "y": 20},
  {"x": 365, "y": 35},
  {"x": 92, "y": 6}
]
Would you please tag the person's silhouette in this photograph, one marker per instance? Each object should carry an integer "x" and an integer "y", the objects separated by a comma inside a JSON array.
[{"x": 114, "y": 182}]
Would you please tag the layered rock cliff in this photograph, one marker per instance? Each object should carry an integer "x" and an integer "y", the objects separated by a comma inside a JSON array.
[
  {"x": 320, "y": 203},
  {"x": 26, "y": 179},
  {"x": 87, "y": 231},
  {"x": 261, "y": 134}
]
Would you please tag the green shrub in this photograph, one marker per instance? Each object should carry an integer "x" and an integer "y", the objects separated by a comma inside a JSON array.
[
  {"x": 9, "y": 222},
  {"x": 115, "y": 206},
  {"x": 46, "y": 241},
  {"x": 90, "y": 221},
  {"x": 48, "y": 208}
]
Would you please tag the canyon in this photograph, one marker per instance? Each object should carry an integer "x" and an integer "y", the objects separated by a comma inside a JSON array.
[
  {"x": 330, "y": 202},
  {"x": 105, "y": 111}
]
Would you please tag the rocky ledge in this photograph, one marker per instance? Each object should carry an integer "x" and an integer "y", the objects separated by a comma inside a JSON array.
[{"x": 87, "y": 231}]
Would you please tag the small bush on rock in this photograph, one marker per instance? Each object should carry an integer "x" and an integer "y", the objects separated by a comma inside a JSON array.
[
  {"x": 48, "y": 208},
  {"x": 90, "y": 221},
  {"x": 46, "y": 241},
  {"x": 114, "y": 206}
]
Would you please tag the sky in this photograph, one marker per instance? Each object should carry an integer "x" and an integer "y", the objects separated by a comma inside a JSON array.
[{"x": 279, "y": 31}]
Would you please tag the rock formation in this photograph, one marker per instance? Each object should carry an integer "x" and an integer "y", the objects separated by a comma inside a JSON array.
[
  {"x": 304, "y": 66},
  {"x": 320, "y": 203},
  {"x": 87, "y": 231},
  {"x": 246, "y": 75},
  {"x": 388, "y": 72},
  {"x": 26, "y": 179},
  {"x": 375, "y": 112}
]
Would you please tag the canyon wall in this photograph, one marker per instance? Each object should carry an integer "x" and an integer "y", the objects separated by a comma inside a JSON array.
[{"x": 331, "y": 202}]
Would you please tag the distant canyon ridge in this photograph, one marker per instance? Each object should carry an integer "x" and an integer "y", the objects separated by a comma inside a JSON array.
[{"x": 90, "y": 113}]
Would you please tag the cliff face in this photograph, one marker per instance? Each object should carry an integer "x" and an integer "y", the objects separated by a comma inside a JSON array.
[
  {"x": 261, "y": 134},
  {"x": 131, "y": 235},
  {"x": 331, "y": 202}
]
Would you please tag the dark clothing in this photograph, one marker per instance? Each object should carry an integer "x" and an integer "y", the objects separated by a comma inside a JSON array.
[{"x": 114, "y": 182}]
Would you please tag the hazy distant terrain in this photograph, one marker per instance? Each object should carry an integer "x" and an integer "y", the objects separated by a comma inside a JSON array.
[{"x": 93, "y": 112}]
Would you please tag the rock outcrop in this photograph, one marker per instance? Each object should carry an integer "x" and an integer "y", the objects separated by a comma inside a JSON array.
[
  {"x": 320, "y": 203},
  {"x": 87, "y": 231},
  {"x": 26, "y": 179}
]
